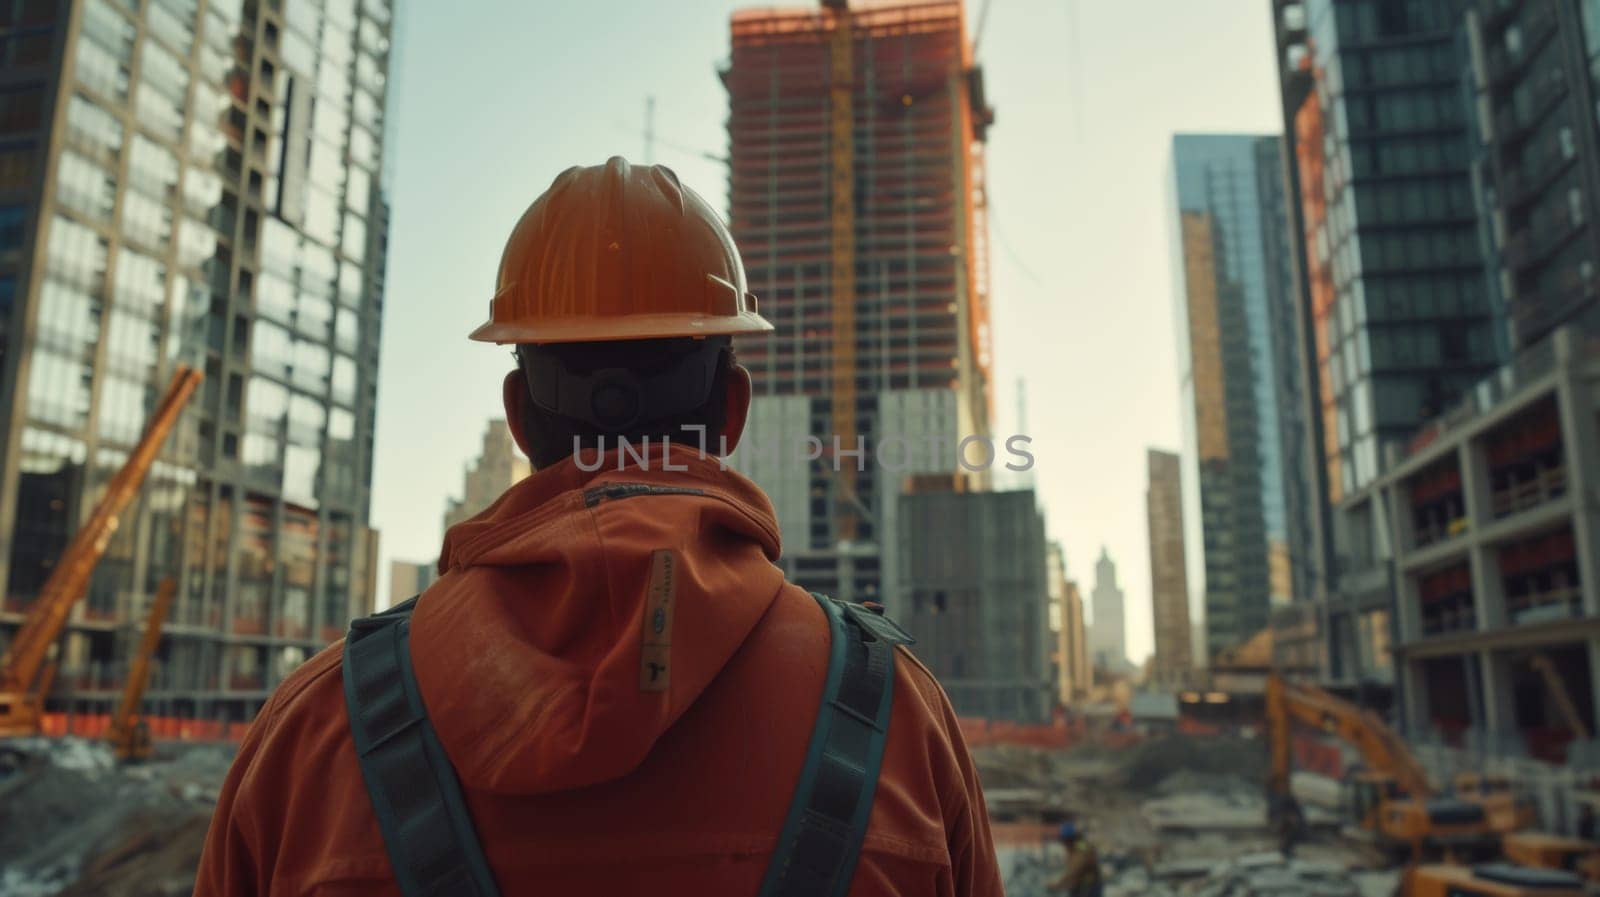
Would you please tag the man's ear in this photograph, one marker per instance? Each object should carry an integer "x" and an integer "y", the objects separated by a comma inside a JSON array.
[
  {"x": 514, "y": 392},
  {"x": 738, "y": 406}
]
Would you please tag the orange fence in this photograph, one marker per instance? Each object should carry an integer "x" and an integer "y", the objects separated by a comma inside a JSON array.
[
  {"x": 980, "y": 732},
  {"x": 162, "y": 728}
]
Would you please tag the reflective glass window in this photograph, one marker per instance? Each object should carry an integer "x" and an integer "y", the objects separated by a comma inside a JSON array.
[
  {"x": 358, "y": 193},
  {"x": 298, "y": 52},
  {"x": 58, "y": 389},
  {"x": 92, "y": 128},
  {"x": 122, "y": 408},
  {"x": 279, "y": 245},
  {"x": 165, "y": 72},
  {"x": 346, "y": 331},
  {"x": 266, "y": 403},
  {"x": 98, "y": 69},
  {"x": 85, "y": 187},
  {"x": 141, "y": 283},
  {"x": 274, "y": 297},
  {"x": 344, "y": 380},
  {"x": 196, "y": 243},
  {"x": 146, "y": 221},
  {"x": 313, "y": 315},
  {"x": 152, "y": 168},
  {"x": 363, "y": 148},
  {"x": 271, "y": 349},
  {"x": 76, "y": 254},
  {"x": 322, "y": 216},
  {"x": 160, "y": 114},
  {"x": 350, "y": 285},
  {"x": 50, "y": 482},
  {"x": 310, "y": 366},
  {"x": 173, "y": 22},
  {"x": 355, "y": 236},
  {"x": 256, "y": 556}
]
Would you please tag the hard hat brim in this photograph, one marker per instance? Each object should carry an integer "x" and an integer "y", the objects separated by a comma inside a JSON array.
[{"x": 582, "y": 329}]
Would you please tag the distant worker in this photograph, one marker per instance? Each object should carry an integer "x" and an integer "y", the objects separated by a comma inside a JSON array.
[
  {"x": 611, "y": 689},
  {"x": 1082, "y": 877}
]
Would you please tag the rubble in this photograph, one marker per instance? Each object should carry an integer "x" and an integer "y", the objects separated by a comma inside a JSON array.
[{"x": 74, "y": 823}]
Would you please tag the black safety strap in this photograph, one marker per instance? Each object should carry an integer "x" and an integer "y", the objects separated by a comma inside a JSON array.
[
  {"x": 821, "y": 838},
  {"x": 426, "y": 828},
  {"x": 428, "y": 833}
]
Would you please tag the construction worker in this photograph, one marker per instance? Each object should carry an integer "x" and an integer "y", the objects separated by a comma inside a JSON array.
[
  {"x": 611, "y": 689},
  {"x": 1082, "y": 876}
]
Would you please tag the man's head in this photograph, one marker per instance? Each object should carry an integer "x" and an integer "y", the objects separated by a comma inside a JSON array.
[
  {"x": 570, "y": 395},
  {"x": 621, "y": 289},
  {"x": 1069, "y": 833}
]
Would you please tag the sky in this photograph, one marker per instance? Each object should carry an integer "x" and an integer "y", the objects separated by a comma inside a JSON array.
[{"x": 491, "y": 99}]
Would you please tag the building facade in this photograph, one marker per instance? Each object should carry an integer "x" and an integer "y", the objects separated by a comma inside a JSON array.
[
  {"x": 856, "y": 189},
  {"x": 974, "y": 567},
  {"x": 499, "y": 466},
  {"x": 1173, "y": 663},
  {"x": 1108, "y": 640},
  {"x": 1400, "y": 304},
  {"x": 1497, "y": 612},
  {"x": 204, "y": 184},
  {"x": 408, "y": 578},
  {"x": 1248, "y": 495},
  {"x": 1532, "y": 73},
  {"x": 1073, "y": 672}
]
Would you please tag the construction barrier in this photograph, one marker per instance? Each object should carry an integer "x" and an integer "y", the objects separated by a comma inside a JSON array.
[
  {"x": 980, "y": 732},
  {"x": 162, "y": 728}
]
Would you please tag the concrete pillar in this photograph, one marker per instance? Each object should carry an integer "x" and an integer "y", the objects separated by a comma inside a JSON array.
[
  {"x": 1500, "y": 714},
  {"x": 1594, "y": 676},
  {"x": 1581, "y": 452},
  {"x": 1414, "y": 696}
]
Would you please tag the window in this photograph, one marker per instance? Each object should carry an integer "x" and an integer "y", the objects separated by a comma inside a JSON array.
[{"x": 13, "y": 227}]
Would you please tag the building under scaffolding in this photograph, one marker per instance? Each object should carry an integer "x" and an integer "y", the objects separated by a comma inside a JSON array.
[{"x": 857, "y": 198}]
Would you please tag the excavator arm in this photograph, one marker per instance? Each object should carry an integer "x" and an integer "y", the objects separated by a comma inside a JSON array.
[
  {"x": 1381, "y": 748},
  {"x": 21, "y": 684}
]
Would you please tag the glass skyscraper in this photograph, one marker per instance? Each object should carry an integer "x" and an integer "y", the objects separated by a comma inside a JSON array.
[
  {"x": 1244, "y": 467},
  {"x": 195, "y": 181}
]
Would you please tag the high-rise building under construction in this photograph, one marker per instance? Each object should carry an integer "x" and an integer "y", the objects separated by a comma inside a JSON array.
[
  {"x": 857, "y": 198},
  {"x": 197, "y": 182}
]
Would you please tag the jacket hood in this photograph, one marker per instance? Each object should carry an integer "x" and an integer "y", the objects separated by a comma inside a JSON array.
[{"x": 580, "y": 615}]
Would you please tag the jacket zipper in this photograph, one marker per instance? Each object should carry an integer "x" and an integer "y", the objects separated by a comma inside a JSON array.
[{"x": 598, "y": 494}]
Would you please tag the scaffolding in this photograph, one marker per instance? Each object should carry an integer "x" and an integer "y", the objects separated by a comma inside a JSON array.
[{"x": 856, "y": 194}]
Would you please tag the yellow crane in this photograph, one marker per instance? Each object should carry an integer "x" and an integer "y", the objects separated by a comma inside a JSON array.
[
  {"x": 842, "y": 220},
  {"x": 129, "y": 734},
  {"x": 26, "y": 668}
]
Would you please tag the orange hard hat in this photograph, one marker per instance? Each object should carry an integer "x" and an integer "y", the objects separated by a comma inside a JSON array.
[{"x": 619, "y": 252}]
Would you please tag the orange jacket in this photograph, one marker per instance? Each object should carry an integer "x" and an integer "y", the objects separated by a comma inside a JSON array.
[{"x": 579, "y": 781}]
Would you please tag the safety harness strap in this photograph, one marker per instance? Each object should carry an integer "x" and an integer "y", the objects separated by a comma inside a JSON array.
[
  {"x": 428, "y": 832},
  {"x": 426, "y": 828},
  {"x": 821, "y": 838}
]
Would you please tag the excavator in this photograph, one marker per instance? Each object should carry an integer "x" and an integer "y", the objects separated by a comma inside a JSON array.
[
  {"x": 28, "y": 666},
  {"x": 1490, "y": 880},
  {"x": 129, "y": 734},
  {"x": 1391, "y": 797}
]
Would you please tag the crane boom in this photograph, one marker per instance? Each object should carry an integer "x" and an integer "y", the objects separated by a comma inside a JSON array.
[
  {"x": 842, "y": 220},
  {"x": 128, "y": 735},
  {"x": 21, "y": 695}
]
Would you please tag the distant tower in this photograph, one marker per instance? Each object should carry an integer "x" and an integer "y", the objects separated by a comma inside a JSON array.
[{"x": 1108, "y": 641}]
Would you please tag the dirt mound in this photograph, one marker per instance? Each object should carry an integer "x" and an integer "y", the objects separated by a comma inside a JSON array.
[
  {"x": 68, "y": 810},
  {"x": 1146, "y": 766}
]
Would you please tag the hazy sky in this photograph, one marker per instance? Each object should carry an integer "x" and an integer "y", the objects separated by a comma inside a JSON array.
[{"x": 493, "y": 99}]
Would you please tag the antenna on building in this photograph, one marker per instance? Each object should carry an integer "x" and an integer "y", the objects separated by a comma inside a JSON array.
[{"x": 650, "y": 130}]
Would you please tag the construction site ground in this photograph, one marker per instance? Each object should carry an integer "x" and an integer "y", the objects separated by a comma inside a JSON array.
[{"x": 1172, "y": 815}]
